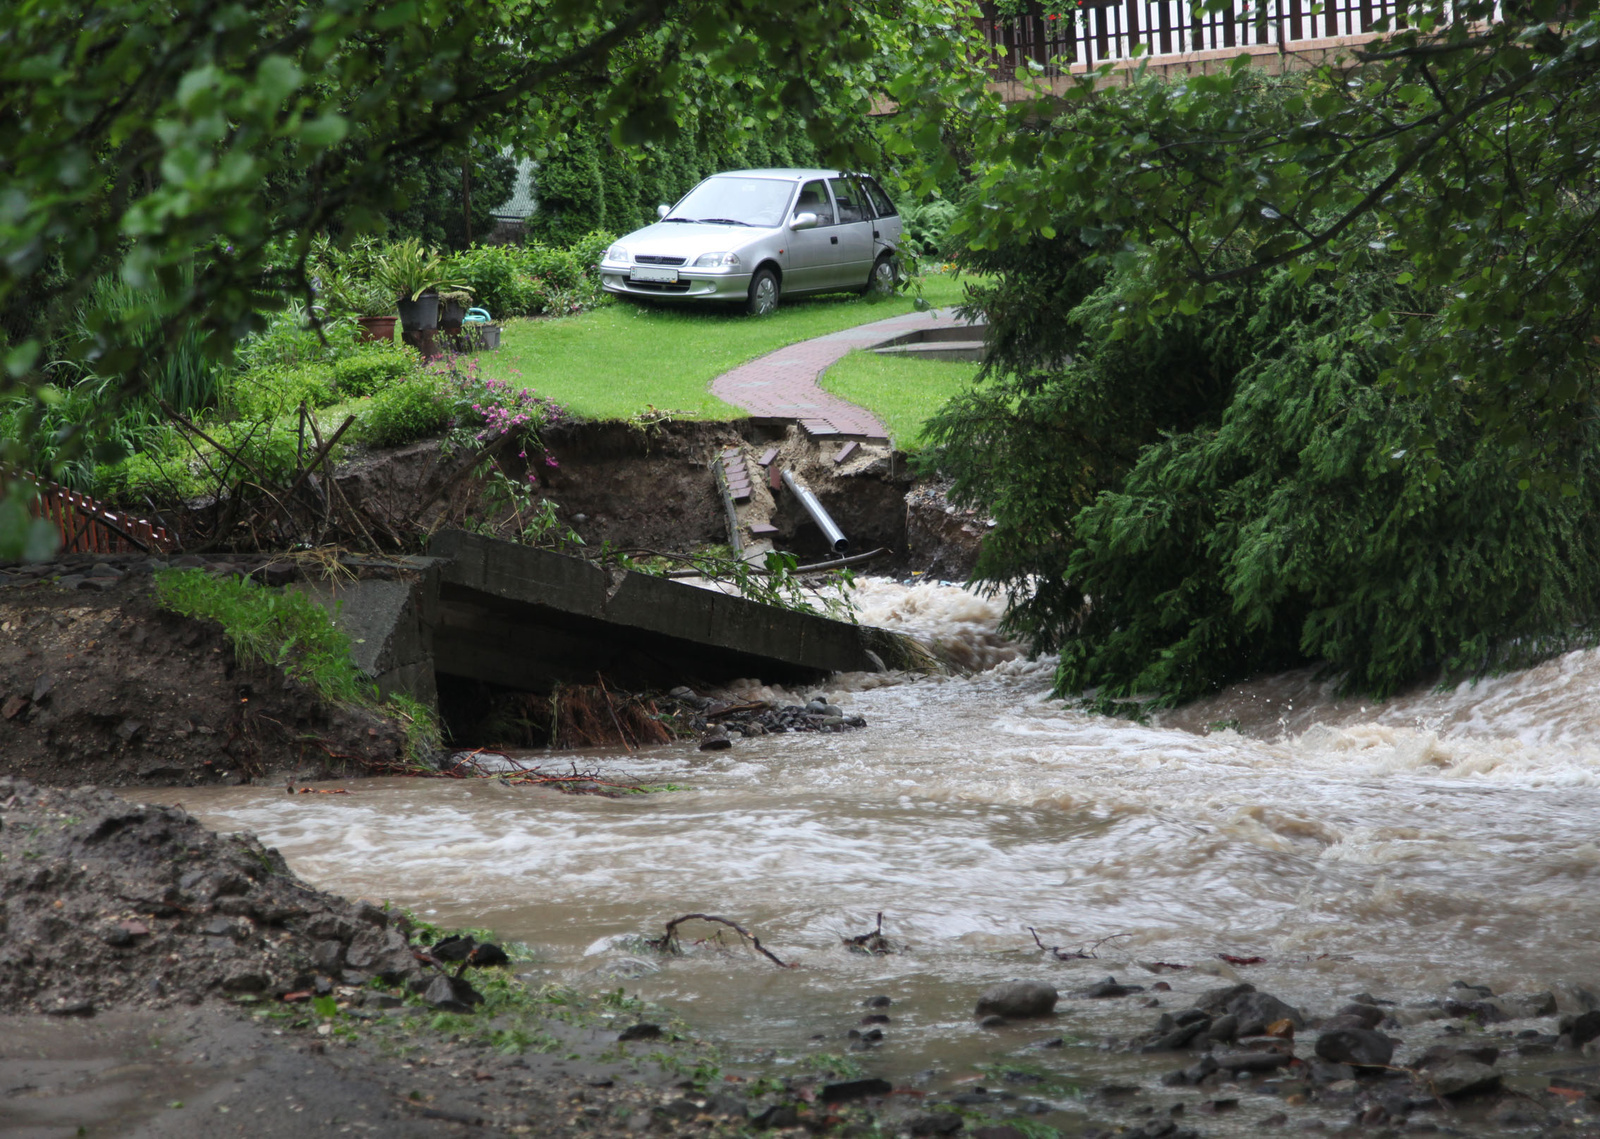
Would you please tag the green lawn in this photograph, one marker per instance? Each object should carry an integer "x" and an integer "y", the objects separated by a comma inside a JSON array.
[
  {"x": 901, "y": 391},
  {"x": 615, "y": 361}
]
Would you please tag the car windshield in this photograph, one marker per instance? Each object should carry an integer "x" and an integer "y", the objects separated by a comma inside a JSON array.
[{"x": 736, "y": 201}]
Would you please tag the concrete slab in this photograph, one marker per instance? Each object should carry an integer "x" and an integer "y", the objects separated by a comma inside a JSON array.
[{"x": 529, "y": 618}]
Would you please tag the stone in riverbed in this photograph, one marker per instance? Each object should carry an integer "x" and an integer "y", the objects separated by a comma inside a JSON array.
[
  {"x": 716, "y": 739},
  {"x": 1017, "y": 1000},
  {"x": 1235, "y": 1060},
  {"x": 1107, "y": 988},
  {"x": 1582, "y": 1028},
  {"x": 1354, "y": 1016},
  {"x": 1460, "y": 1077},
  {"x": 1361, "y": 1047}
]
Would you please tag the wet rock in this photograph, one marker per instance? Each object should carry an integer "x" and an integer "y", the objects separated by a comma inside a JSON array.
[
  {"x": 1192, "y": 1074},
  {"x": 1175, "y": 1039},
  {"x": 1581, "y": 1028},
  {"x": 1460, "y": 1077},
  {"x": 846, "y": 1090},
  {"x": 879, "y": 1001},
  {"x": 245, "y": 980},
  {"x": 384, "y": 953},
  {"x": 1224, "y": 1030},
  {"x": 450, "y": 994},
  {"x": 1241, "y": 1060},
  {"x": 934, "y": 1123},
  {"x": 715, "y": 739},
  {"x": 327, "y": 956},
  {"x": 1361, "y": 1047},
  {"x": 1324, "y": 1072},
  {"x": 992, "y": 1021},
  {"x": 1443, "y": 1053},
  {"x": 1355, "y": 1016},
  {"x": 1463, "y": 991},
  {"x": 1215, "y": 1002},
  {"x": 1018, "y": 1000},
  {"x": 1104, "y": 989},
  {"x": 640, "y": 1032},
  {"x": 1256, "y": 1011},
  {"x": 776, "y": 1116},
  {"x": 69, "y": 1007},
  {"x": 1526, "y": 1006}
]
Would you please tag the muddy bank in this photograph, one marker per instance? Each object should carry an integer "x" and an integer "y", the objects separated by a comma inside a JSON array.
[
  {"x": 158, "y": 979},
  {"x": 97, "y": 684}
]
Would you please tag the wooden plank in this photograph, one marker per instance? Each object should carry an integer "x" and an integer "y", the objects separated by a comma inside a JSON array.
[
  {"x": 845, "y": 452},
  {"x": 767, "y": 456}
]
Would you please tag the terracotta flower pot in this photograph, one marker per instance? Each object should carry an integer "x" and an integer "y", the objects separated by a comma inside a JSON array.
[{"x": 379, "y": 328}]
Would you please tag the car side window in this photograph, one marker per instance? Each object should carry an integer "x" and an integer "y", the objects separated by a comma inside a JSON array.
[
  {"x": 814, "y": 200},
  {"x": 881, "y": 202},
  {"x": 848, "y": 195}
]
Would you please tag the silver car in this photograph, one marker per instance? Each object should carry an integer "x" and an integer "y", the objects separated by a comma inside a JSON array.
[{"x": 753, "y": 236}]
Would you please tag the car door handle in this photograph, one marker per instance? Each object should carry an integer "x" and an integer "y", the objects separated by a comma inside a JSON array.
[{"x": 833, "y": 241}]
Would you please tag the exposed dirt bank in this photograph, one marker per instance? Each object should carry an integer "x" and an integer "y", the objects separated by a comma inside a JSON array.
[{"x": 99, "y": 685}]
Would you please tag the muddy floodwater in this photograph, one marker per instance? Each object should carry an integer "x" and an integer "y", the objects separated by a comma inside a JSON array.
[{"x": 1357, "y": 848}]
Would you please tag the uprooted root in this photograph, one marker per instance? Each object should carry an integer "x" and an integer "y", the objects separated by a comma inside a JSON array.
[{"x": 668, "y": 941}]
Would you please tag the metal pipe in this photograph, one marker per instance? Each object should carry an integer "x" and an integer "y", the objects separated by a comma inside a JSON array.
[{"x": 837, "y": 542}]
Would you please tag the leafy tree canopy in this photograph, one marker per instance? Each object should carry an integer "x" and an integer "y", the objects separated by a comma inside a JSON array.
[
  {"x": 1295, "y": 370},
  {"x": 1466, "y": 148}
]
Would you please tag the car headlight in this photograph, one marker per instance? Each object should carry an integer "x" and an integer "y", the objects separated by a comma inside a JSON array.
[
  {"x": 712, "y": 260},
  {"x": 618, "y": 254}
]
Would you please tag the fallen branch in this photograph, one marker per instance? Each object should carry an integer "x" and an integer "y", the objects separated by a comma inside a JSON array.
[
  {"x": 873, "y": 941},
  {"x": 668, "y": 941},
  {"x": 1079, "y": 954}
]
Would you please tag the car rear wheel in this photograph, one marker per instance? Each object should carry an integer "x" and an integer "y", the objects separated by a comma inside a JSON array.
[{"x": 764, "y": 293}]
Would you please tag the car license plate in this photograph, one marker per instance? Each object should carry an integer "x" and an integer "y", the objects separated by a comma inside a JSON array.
[{"x": 666, "y": 276}]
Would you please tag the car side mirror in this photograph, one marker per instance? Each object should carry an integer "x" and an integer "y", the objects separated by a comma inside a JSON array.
[
  {"x": 663, "y": 211},
  {"x": 804, "y": 221}
]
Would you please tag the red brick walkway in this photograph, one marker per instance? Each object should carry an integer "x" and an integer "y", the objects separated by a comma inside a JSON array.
[{"x": 785, "y": 384}]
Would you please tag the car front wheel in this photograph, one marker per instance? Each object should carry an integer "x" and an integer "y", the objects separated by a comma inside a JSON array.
[
  {"x": 884, "y": 277},
  {"x": 763, "y": 293}
]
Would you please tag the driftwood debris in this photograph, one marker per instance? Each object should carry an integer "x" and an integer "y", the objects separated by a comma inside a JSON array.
[
  {"x": 1083, "y": 953},
  {"x": 873, "y": 941},
  {"x": 668, "y": 941}
]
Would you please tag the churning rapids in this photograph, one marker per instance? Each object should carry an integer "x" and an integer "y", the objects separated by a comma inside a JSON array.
[{"x": 1447, "y": 835}]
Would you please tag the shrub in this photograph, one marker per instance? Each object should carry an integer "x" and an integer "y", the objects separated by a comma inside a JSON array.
[
  {"x": 264, "y": 393},
  {"x": 407, "y": 411},
  {"x": 372, "y": 368},
  {"x": 498, "y": 278},
  {"x": 927, "y": 226}
]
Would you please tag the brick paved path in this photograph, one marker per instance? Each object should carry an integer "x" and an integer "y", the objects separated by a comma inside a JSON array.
[{"x": 785, "y": 384}]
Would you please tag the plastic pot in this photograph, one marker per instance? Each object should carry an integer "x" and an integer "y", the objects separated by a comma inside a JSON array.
[{"x": 420, "y": 315}]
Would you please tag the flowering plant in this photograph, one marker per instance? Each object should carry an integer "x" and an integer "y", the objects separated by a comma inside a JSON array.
[{"x": 489, "y": 409}]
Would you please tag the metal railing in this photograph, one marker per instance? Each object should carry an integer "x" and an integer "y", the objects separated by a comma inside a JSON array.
[{"x": 1110, "y": 30}]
